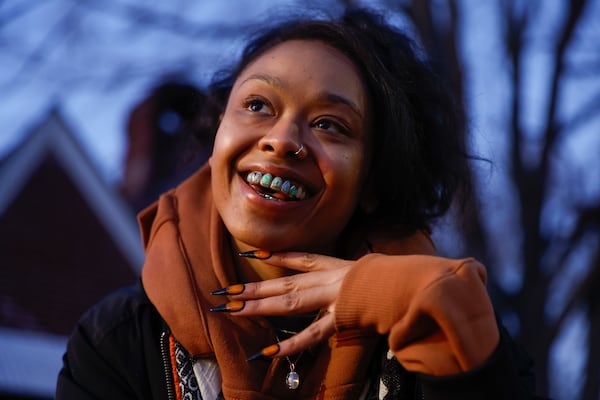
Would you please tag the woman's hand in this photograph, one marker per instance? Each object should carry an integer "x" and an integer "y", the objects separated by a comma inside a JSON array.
[{"x": 316, "y": 287}]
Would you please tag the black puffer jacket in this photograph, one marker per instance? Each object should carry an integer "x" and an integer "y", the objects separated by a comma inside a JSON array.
[{"x": 115, "y": 351}]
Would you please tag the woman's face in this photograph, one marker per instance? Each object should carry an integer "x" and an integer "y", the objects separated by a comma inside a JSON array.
[{"x": 298, "y": 93}]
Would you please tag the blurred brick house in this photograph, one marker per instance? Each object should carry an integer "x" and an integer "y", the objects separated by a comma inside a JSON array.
[{"x": 66, "y": 239}]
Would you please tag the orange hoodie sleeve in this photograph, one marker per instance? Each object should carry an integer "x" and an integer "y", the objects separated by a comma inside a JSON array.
[{"x": 435, "y": 311}]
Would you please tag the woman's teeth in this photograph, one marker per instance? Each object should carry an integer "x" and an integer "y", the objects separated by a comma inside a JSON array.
[{"x": 277, "y": 185}]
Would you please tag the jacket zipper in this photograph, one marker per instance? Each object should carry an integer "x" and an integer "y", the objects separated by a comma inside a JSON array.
[
  {"x": 422, "y": 394},
  {"x": 164, "y": 351}
]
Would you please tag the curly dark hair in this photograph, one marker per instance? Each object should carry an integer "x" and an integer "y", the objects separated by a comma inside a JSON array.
[{"x": 419, "y": 161}]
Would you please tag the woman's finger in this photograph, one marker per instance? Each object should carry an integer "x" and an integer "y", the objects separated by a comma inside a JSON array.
[
  {"x": 280, "y": 286},
  {"x": 299, "y": 261},
  {"x": 295, "y": 302},
  {"x": 314, "y": 334}
]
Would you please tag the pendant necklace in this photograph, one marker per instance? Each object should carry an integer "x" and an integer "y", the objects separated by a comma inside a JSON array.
[{"x": 292, "y": 379}]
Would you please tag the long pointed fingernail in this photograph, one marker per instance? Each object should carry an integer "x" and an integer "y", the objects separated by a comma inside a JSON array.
[
  {"x": 259, "y": 254},
  {"x": 232, "y": 306},
  {"x": 269, "y": 351},
  {"x": 232, "y": 289}
]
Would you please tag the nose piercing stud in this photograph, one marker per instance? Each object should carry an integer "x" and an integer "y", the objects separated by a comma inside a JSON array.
[{"x": 300, "y": 153}]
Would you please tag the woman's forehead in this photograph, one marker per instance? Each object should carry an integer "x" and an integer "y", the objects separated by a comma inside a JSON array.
[{"x": 307, "y": 63}]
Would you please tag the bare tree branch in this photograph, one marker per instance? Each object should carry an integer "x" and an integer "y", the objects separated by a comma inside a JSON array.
[
  {"x": 172, "y": 23},
  {"x": 587, "y": 219},
  {"x": 559, "y": 63},
  {"x": 18, "y": 10},
  {"x": 36, "y": 58},
  {"x": 591, "y": 386},
  {"x": 584, "y": 114}
]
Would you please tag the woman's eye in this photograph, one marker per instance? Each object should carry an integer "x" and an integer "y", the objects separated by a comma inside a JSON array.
[
  {"x": 328, "y": 125},
  {"x": 257, "y": 106}
]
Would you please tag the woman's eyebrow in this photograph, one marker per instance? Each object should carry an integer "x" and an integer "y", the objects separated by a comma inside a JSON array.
[
  {"x": 271, "y": 80},
  {"x": 327, "y": 96},
  {"x": 334, "y": 98}
]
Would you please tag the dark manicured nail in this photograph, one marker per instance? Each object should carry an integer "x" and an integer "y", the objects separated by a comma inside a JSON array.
[
  {"x": 259, "y": 254},
  {"x": 269, "y": 351},
  {"x": 232, "y": 306},
  {"x": 232, "y": 289}
]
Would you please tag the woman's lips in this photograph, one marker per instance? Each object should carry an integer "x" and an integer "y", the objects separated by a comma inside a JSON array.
[{"x": 275, "y": 187}]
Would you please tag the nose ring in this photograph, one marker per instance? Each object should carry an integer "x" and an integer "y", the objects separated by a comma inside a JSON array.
[{"x": 301, "y": 153}]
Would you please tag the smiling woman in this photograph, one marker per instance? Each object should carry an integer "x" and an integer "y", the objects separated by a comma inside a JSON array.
[
  {"x": 297, "y": 263},
  {"x": 300, "y": 93}
]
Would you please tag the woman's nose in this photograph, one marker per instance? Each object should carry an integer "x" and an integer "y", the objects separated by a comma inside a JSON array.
[{"x": 284, "y": 139}]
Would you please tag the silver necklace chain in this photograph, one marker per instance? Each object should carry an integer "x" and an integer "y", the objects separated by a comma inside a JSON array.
[{"x": 292, "y": 379}]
